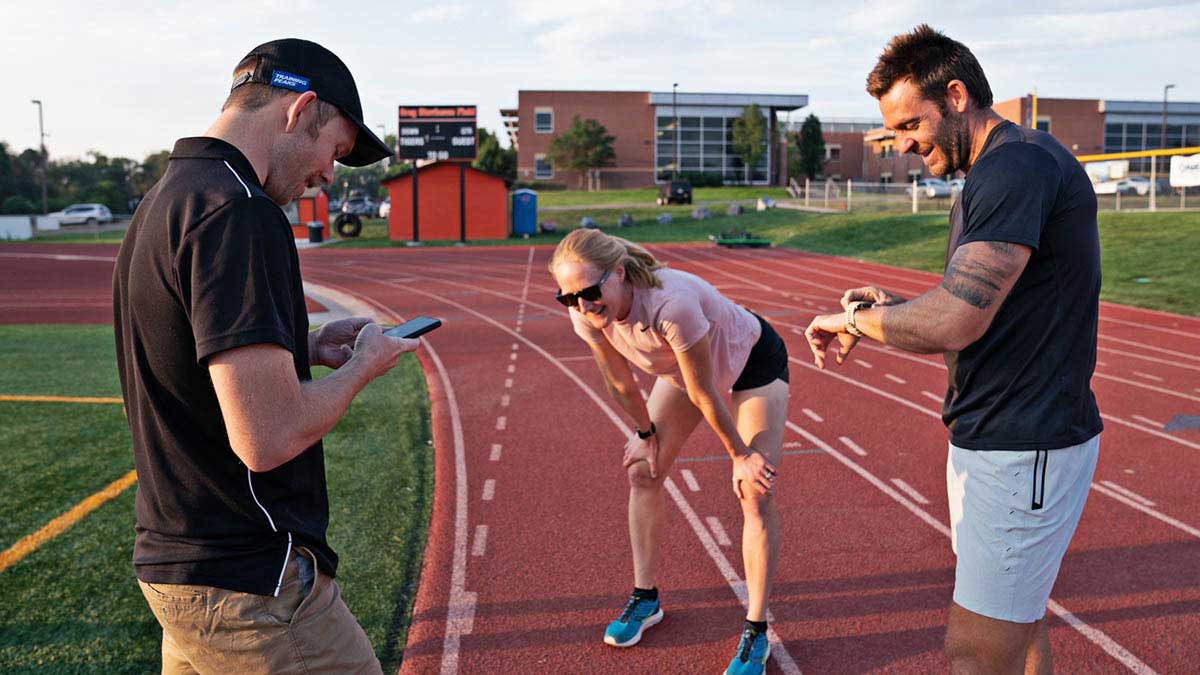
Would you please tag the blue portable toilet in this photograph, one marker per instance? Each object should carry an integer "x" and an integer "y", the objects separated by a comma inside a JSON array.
[{"x": 524, "y": 212}]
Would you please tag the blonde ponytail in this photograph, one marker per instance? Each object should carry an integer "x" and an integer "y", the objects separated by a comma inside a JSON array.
[{"x": 605, "y": 252}]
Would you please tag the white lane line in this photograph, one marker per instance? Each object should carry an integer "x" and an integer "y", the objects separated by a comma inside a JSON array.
[
  {"x": 897, "y": 380},
  {"x": 853, "y": 446},
  {"x": 810, "y": 303},
  {"x": 1128, "y": 493},
  {"x": 1148, "y": 376},
  {"x": 718, "y": 531},
  {"x": 1100, "y": 363},
  {"x": 910, "y": 491},
  {"x": 501, "y": 423},
  {"x": 793, "y": 444},
  {"x": 645, "y": 394},
  {"x": 1150, "y": 430},
  {"x": 504, "y": 400},
  {"x": 812, "y": 415},
  {"x": 864, "y": 364},
  {"x": 518, "y": 327},
  {"x": 512, "y": 368},
  {"x": 508, "y": 382},
  {"x": 1151, "y": 387},
  {"x": 496, "y": 450},
  {"x": 1147, "y": 420},
  {"x": 690, "y": 479},
  {"x": 1110, "y": 646},
  {"x": 480, "y": 544},
  {"x": 489, "y": 489},
  {"x": 932, "y": 396},
  {"x": 512, "y": 357},
  {"x": 1147, "y": 510},
  {"x": 515, "y": 346}
]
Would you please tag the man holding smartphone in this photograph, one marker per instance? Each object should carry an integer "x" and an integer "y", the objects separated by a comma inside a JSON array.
[{"x": 214, "y": 355}]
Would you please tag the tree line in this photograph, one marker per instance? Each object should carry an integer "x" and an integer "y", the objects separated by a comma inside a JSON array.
[{"x": 116, "y": 182}]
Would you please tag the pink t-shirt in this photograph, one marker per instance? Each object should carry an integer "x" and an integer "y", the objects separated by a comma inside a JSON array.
[{"x": 665, "y": 320}]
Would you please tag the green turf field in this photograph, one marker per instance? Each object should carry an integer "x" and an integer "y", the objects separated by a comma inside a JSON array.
[{"x": 73, "y": 604}]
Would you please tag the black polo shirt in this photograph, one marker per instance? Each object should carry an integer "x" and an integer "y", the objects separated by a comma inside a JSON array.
[
  {"x": 209, "y": 264},
  {"x": 1026, "y": 383}
]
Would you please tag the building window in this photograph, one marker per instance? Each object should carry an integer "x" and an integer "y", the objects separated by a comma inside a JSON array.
[
  {"x": 543, "y": 120},
  {"x": 1043, "y": 124},
  {"x": 541, "y": 168},
  {"x": 885, "y": 178},
  {"x": 914, "y": 174},
  {"x": 833, "y": 153}
]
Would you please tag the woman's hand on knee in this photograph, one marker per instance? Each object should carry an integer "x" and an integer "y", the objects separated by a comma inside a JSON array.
[
  {"x": 754, "y": 470},
  {"x": 637, "y": 449}
]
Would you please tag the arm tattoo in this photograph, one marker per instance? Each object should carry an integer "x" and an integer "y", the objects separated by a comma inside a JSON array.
[{"x": 976, "y": 277}]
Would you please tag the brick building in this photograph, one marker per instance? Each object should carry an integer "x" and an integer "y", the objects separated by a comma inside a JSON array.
[{"x": 649, "y": 144}]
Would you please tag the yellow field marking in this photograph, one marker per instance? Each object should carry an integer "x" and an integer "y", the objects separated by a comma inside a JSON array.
[
  {"x": 55, "y": 527},
  {"x": 61, "y": 399}
]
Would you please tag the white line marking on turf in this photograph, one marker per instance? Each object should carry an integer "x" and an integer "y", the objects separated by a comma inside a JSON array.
[
  {"x": 489, "y": 489},
  {"x": 504, "y": 400},
  {"x": 1147, "y": 510},
  {"x": 1128, "y": 493},
  {"x": 514, "y": 346},
  {"x": 480, "y": 544},
  {"x": 1148, "y": 376},
  {"x": 1098, "y": 637},
  {"x": 508, "y": 382},
  {"x": 512, "y": 368},
  {"x": 812, "y": 415},
  {"x": 793, "y": 444},
  {"x": 853, "y": 446},
  {"x": 1147, "y": 420},
  {"x": 932, "y": 396},
  {"x": 501, "y": 423},
  {"x": 864, "y": 364},
  {"x": 897, "y": 380},
  {"x": 718, "y": 531},
  {"x": 910, "y": 491},
  {"x": 512, "y": 357},
  {"x": 690, "y": 479},
  {"x": 496, "y": 449}
]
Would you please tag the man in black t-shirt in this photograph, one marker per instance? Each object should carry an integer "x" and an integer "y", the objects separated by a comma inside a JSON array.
[
  {"x": 214, "y": 355},
  {"x": 1016, "y": 318}
]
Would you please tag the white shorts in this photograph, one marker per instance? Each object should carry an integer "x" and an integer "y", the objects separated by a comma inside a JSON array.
[{"x": 1012, "y": 515}]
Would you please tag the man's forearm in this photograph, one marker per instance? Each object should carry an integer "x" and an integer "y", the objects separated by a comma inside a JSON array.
[{"x": 917, "y": 325}]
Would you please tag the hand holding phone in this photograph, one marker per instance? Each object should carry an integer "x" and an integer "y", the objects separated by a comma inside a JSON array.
[{"x": 414, "y": 327}]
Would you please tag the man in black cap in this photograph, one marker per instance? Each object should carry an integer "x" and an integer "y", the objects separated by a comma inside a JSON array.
[{"x": 214, "y": 355}]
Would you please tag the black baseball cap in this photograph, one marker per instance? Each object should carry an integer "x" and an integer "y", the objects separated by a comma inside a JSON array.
[{"x": 301, "y": 65}]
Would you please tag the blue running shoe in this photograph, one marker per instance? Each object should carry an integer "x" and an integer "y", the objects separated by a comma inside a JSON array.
[
  {"x": 638, "y": 615},
  {"x": 751, "y": 656}
]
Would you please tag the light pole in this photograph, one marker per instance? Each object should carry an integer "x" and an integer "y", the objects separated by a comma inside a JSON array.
[
  {"x": 675, "y": 125},
  {"x": 387, "y": 161},
  {"x": 42, "y": 142},
  {"x": 1162, "y": 142}
]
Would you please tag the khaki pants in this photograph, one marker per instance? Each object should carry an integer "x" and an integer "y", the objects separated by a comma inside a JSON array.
[{"x": 213, "y": 630}]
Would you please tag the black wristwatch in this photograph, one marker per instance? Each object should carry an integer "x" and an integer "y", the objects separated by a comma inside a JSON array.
[{"x": 646, "y": 434}]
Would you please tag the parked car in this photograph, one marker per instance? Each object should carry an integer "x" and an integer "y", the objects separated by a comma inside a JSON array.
[
  {"x": 89, "y": 214},
  {"x": 956, "y": 185},
  {"x": 361, "y": 206},
  {"x": 385, "y": 208},
  {"x": 930, "y": 188},
  {"x": 678, "y": 191},
  {"x": 1134, "y": 185}
]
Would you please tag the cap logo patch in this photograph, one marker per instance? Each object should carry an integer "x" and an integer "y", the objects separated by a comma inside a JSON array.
[{"x": 287, "y": 80}]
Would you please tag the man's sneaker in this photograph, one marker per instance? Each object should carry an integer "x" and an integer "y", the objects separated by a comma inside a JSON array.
[
  {"x": 751, "y": 656},
  {"x": 639, "y": 614}
]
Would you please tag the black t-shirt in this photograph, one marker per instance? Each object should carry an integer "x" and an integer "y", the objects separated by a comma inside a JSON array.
[
  {"x": 209, "y": 264},
  {"x": 1026, "y": 384}
]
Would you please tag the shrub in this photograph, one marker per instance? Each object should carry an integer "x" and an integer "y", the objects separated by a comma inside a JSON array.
[{"x": 16, "y": 204}]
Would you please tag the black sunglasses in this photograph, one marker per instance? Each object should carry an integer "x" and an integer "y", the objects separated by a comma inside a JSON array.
[{"x": 591, "y": 293}]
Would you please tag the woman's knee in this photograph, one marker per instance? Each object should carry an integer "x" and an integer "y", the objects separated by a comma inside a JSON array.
[
  {"x": 755, "y": 504},
  {"x": 640, "y": 478}
]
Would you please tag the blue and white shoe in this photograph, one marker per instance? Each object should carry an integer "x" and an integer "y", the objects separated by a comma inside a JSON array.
[
  {"x": 638, "y": 615},
  {"x": 751, "y": 656}
]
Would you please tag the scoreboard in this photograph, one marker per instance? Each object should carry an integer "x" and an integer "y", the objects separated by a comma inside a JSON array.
[{"x": 437, "y": 132}]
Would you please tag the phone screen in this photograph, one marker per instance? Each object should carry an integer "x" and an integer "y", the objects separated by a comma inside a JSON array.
[{"x": 413, "y": 327}]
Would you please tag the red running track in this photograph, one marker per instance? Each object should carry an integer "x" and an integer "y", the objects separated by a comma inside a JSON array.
[{"x": 528, "y": 555}]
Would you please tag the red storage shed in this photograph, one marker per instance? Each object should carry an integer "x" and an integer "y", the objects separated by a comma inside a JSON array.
[
  {"x": 311, "y": 206},
  {"x": 438, "y": 204}
]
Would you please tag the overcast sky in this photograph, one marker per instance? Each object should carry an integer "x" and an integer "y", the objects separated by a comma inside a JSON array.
[{"x": 127, "y": 79}]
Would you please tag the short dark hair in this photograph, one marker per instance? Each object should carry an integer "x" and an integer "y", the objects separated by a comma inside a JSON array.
[
  {"x": 931, "y": 60},
  {"x": 254, "y": 95}
]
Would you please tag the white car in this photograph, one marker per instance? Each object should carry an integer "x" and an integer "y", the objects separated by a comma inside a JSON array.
[
  {"x": 1139, "y": 185},
  {"x": 89, "y": 214},
  {"x": 930, "y": 188},
  {"x": 385, "y": 207}
]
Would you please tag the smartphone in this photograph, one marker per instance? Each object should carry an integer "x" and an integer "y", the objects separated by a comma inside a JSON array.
[{"x": 413, "y": 327}]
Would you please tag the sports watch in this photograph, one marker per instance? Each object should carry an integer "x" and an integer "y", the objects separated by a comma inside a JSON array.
[
  {"x": 646, "y": 434},
  {"x": 853, "y": 307}
]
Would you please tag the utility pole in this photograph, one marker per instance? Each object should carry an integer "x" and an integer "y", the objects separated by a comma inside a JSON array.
[
  {"x": 1162, "y": 141},
  {"x": 675, "y": 125},
  {"x": 42, "y": 141},
  {"x": 387, "y": 161}
]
